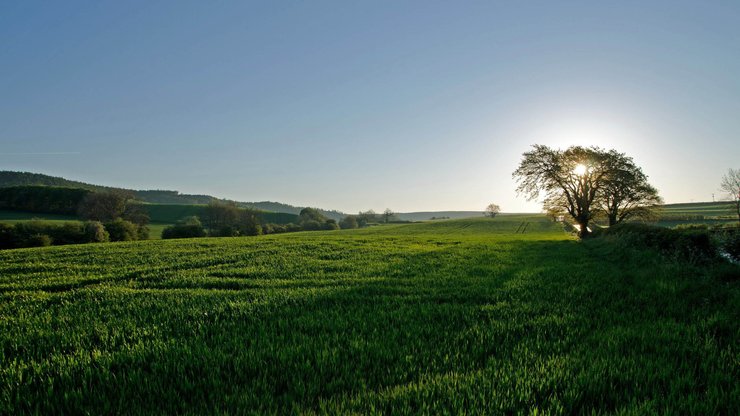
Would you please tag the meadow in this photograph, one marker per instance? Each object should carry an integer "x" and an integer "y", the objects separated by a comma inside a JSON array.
[{"x": 450, "y": 317}]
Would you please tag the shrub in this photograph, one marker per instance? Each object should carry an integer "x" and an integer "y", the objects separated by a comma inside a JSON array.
[
  {"x": 37, "y": 240},
  {"x": 691, "y": 245},
  {"x": 122, "y": 230},
  {"x": 95, "y": 232},
  {"x": 142, "y": 232},
  {"x": 348, "y": 222},
  {"x": 184, "y": 231},
  {"x": 7, "y": 236},
  {"x": 728, "y": 240},
  {"x": 331, "y": 225},
  {"x": 291, "y": 228},
  {"x": 311, "y": 225}
]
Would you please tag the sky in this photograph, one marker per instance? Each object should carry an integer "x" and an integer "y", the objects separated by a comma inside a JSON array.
[{"x": 412, "y": 106}]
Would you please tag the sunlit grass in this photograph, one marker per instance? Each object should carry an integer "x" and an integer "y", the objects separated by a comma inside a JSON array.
[{"x": 443, "y": 317}]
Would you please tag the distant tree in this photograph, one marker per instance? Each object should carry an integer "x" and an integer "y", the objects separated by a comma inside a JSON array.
[
  {"x": 46, "y": 199},
  {"x": 221, "y": 218},
  {"x": 492, "y": 210},
  {"x": 388, "y": 215},
  {"x": 103, "y": 206},
  {"x": 249, "y": 222},
  {"x": 573, "y": 177},
  {"x": 348, "y": 222},
  {"x": 626, "y": 193},
  {"x": 367, "y": 217},
  {"x": 731, "y": 185},
  {"x": 136, "y": 213},
  {"x": 311, "y": 214},
  {"x": 311, "y": 225},
  {"x": 331, "y": 224},
  {"x": 188, "y": 227}
]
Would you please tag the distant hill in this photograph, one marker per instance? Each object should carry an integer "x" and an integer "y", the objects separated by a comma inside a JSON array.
[{"x": 10, "y": 178}]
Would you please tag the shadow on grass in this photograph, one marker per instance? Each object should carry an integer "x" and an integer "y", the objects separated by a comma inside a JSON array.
[{"x": 485, "y": 327}]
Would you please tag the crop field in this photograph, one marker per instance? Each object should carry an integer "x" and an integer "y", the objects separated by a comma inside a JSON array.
[
  {"x": 709, "y": 209},
  {"x": 450, "y": 317},
  {"x": 709, "y": 213}
]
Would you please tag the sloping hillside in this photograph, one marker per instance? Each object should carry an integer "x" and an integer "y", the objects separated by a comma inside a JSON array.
[{"x": 10, "y": 178}]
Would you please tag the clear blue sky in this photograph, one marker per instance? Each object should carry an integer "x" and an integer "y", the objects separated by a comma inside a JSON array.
[{"x": 354, "y": 105}]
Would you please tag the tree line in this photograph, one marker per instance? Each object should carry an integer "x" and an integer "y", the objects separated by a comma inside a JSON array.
[
  {"x": 108, "y": 216},
  {"x": 227, "y": 219}
]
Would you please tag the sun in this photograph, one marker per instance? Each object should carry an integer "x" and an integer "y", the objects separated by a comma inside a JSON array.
[{"x": 580, "y": 169}]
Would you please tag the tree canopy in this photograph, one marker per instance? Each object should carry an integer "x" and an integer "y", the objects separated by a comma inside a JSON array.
[
  {"x": 583, "y": 182},
  {"x": 492, "y": 210}
]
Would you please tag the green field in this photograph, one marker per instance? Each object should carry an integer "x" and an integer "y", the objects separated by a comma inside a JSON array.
[
  {"x": 442, "y": 317},
  {"x": 709, "y": 213},
  {"x": 10, "y": 216}
]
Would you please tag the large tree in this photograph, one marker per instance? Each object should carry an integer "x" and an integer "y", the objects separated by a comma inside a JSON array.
[
  {"x": 731, "y": 185},
  {"x": 570, "y": 179},
  {"x": 584, "y": 182},
  {"x": 626, "y": 192}
]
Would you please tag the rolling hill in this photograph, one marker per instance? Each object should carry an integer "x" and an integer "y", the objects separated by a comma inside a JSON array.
[{"x": 11, "y": 178}]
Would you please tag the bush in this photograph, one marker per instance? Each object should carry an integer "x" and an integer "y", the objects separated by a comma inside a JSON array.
[
  {"x": 692, "y": 245},
  {"x": 37, "y": 240},
  {"x": 184, "y": 231},
  {"x": 142, "y": 232},
  {"x": 728, "y": 240},
  {"x": 291, "y": 228},
  {"x": 7, "y": 236},
  {"x": 122, "y": 230},
  {"x": 95, "y": 232},
  {"x": 331, "y": 225},
  {"x": 311, "y": 225},
  {"x": 349, "y": 222}
]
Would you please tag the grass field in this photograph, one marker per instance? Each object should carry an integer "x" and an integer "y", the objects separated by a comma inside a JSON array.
[
  {"x": 444, "y": 317},
  {"x": 709, "y": 209},
  {"x": 10, "y": 216}
]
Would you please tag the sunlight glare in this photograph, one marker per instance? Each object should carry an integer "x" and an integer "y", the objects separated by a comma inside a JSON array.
[{"x": 580, "y": 169}]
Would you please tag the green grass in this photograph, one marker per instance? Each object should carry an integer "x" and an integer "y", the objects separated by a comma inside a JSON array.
[
  {"x": 171, "y": 213},
  {"x": 444, "y": 317},
  {"x": 9, "y": 216},
  {"x": 709, "y": 213}
]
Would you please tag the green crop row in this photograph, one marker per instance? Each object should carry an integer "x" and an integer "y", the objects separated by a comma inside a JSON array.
[{"x": 451, "y": 317}]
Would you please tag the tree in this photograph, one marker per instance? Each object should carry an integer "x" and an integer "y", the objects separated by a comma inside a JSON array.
[
  {"x": 348, "y": 222},
  {"x": 731, "y": 185},
  {"x": 572, "y": 179},
  {"x": 103, "y": 206},
  {"x": 367, "y": 217},
  {"x": 188, "y": 227},
  {"x": 311, "y": 214},
  {"x": 249, "y": 223},
  {"x": 492, "y": 210},
  {"x": 221, "y": 217},
  {"x": 136, "y": 213},
  {"x": 388, "y": 215},
  {"x": 626, "y": 192},
  {"x": 121, "y": 230}
]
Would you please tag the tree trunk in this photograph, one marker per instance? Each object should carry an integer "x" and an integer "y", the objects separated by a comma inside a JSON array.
[
  {"x": 583, "y": 232},
  {"x": 612, "y": 219}
]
